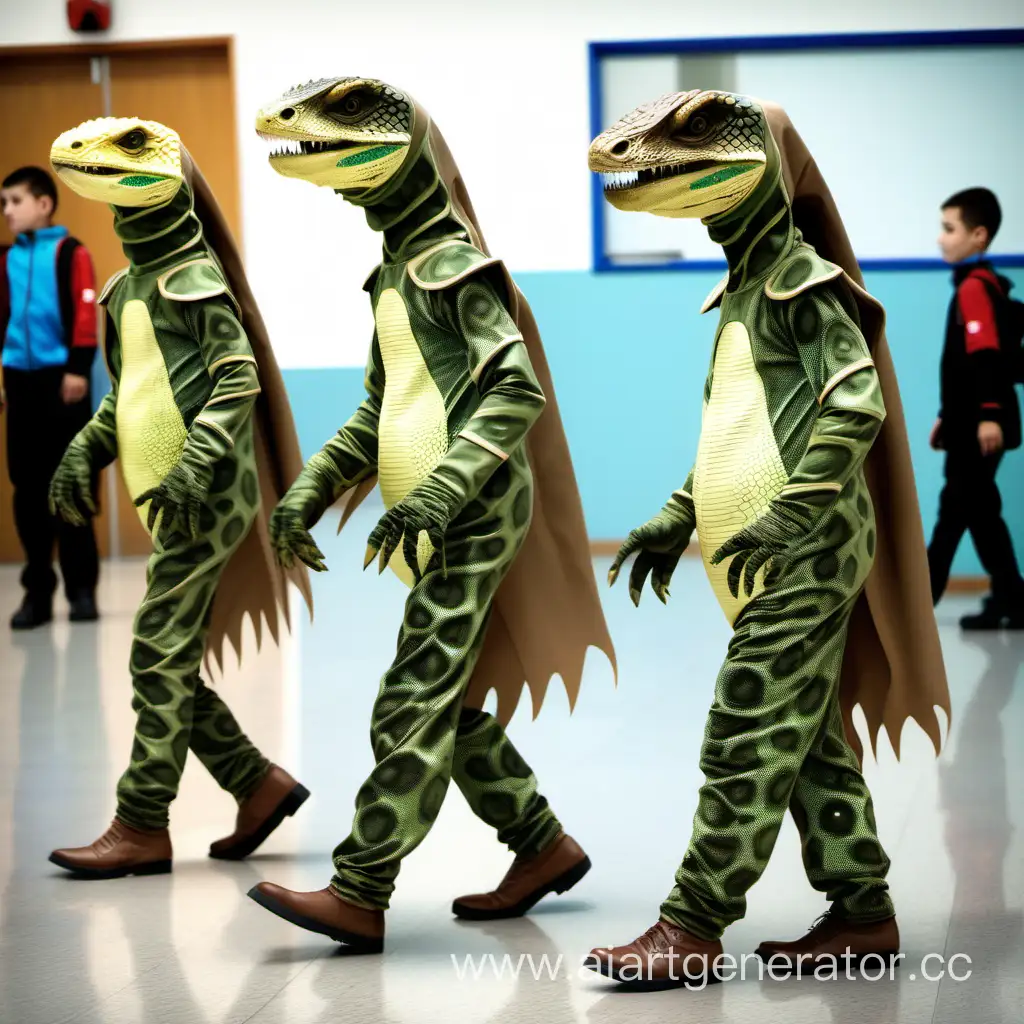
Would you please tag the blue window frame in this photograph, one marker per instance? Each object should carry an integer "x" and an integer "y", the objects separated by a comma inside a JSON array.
[{"x": 753, "y": 44}]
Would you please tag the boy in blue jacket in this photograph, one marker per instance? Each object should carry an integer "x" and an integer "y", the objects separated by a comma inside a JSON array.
[{"x": 47, "y": 342}]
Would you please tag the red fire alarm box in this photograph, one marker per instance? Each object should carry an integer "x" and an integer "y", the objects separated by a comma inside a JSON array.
[{"x": 89, "y": 15}]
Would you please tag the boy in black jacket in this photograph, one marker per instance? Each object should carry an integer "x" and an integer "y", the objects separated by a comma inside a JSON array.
[
  {"x": 47, "y": 343},
  {"x": 979, "y": 418}
]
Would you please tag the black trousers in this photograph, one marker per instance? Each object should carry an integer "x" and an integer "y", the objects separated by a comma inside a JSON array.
[
  {"x": 970, "y": 500},
  {"x": 39, "y": 428}
]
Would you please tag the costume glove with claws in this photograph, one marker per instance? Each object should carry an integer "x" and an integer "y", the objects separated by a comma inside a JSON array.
[
  {"x": 780, "y": 528},
  {"x": 93, "y": 448},
  {"x": 300, "y": 509},
  {"x": 418, "y": 522},
  {"x": 660, "y": 542},
  {"x": 346, "y": 459},
  {"x": 175, "y": 503}
]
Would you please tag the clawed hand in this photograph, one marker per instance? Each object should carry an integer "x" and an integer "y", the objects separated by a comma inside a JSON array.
[
  {"x": 179, "y": 496},
  {"x": 71, "y": 488},
  {"x": 660, "y": 543},
  {"x": 770, "y": 538},
  {"x": 291, "y": 539},
  {"x": 404, "y": 523}
]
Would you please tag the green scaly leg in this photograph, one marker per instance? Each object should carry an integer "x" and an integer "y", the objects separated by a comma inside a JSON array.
[
  {"x": 176, "y": 710},
  {"x": 775, "y": 740},
  {"x": 500, "y": 786},
  {"x": 419, "y": 734}
]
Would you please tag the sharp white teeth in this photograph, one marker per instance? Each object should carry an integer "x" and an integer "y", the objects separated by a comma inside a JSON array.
[
  {"x": 620, "y": 179},
  {"x": 282, "y": 147}
]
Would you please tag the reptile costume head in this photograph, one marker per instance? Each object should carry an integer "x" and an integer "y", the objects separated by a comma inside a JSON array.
[
  {"x": 123, "y": 161},
  {"x": 379, "y": 150},
  {"x": 691, "y": 154},
  {"x": 349, "y": 134}
]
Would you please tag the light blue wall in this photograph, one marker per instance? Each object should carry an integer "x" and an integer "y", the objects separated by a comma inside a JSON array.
[{"x": 629, "y": 355}]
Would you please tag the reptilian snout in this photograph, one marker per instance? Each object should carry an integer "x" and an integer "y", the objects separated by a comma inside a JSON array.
[
  {"x": 687, "y": 154},
  {"x": 349, "y": 134},
  {"x": 121, "y": 161}
]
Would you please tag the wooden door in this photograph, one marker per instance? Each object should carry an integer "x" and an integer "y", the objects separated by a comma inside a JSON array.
[
  {"x": 40, "y": 97},
  {"x": 187, "y": 86}
]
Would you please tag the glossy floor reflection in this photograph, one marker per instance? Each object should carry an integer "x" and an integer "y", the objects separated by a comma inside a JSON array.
[{"x": 621, "y": 772}]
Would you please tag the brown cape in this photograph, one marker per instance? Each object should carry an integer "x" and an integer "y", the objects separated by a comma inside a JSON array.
[
  {"x": 893, "y": 665},
  {"x": 546, "y": 611},
  {"x": 253, "y": 583}
]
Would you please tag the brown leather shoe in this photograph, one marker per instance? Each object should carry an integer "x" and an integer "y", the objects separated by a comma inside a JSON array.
[
  {"x": 663, "y": 957},
  {"x": 121, "y": 850},
  {"x": 832, "y": 936},
  {"x": 278, "y": 796},
  {"x": 557, "y": 868},
  {"x": 325, "y": 912}
]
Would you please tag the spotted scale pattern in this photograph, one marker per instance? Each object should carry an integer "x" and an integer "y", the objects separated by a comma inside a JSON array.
[
  {"x": 177, "y": 712},
  {"x": 774, "y": 739},
  {"x": 423, "y": 736}
]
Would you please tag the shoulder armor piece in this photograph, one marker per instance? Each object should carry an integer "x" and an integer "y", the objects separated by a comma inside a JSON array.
[
  {"x": 193, "y": 281},
  {"x": 371, "y": 282},
  {"x": 802, "y": 269},
  {"x": 447, "y": 264},
  {"x": 716, "y": 295},
  {"x": 108, "y": 288}
]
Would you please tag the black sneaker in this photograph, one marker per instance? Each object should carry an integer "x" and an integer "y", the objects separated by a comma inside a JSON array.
[
  {"x": 994, "y": 616},
  {"x": 32, "y": 614},
  {"x": 83, "y": 608}
]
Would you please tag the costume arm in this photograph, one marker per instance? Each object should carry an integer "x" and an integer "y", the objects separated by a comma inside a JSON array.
[
  {"x": 511, "y": 401},
  {"x": 981, "y": 340},
  {"x": 232, "y": 368},
  {"x": 850, "y": 405},
  {"x": 91, "y": 449},
  {"x": 348, "y": 457}
]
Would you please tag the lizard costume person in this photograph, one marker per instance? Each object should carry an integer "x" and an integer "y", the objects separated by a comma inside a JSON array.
[
  {"x": 198, "y": 418},
  {"x": 792, "y": 514},
  {"x": 483, "y": 519}
]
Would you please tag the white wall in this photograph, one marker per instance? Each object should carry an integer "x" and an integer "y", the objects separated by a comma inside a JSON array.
[{"x": 506, "y": 81}]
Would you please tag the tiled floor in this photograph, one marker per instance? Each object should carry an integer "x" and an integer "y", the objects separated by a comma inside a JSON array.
[{"x": 621, "y": 772}]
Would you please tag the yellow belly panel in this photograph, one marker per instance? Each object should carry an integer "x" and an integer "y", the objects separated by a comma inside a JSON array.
[
  {"x": 413, "y": 430},
  {"x": 739, "y": 469},
  {"x": 150, "y": 431}
]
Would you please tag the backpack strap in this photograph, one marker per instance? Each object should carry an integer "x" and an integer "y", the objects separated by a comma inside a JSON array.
[
  {"x": 1009, "y": 314},
  {"x": 65, "y": 261},
  {"x": 5, "y": 295}
]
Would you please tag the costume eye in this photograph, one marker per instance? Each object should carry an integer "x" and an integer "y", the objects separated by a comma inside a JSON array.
[
  {"x": 353, "y": 104},
  {"x": 133, "y": 141}
]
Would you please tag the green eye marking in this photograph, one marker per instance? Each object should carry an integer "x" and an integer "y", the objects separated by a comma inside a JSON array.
[
  {"x": 140, "y": 180},
  {"x": 724, "y": 174},
  {"x": 366, "y": 156}
]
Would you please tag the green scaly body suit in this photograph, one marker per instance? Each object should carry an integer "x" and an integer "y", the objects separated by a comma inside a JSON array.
[
  {"x": 792, "y": 405},
  {"x": 179, "y": 414},
  {"x": 450, "y": 397}
]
